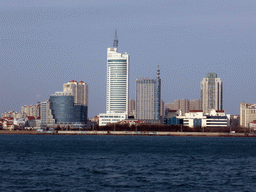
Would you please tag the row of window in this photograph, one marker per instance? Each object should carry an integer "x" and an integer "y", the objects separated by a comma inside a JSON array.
[
  {"x": 114, "y": 120},
  {"x": 111, "y": 116}
]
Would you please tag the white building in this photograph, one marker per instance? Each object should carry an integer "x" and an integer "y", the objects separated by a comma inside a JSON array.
[
  {"x": 107, "y": 118},
  {"x": 46, "y": 113},
  {"x": 31, "y": 110},
  {"x": 117, "y": 95},
  {"x": 79, "y": 90},
  {"x": 211, "y": 93},
  {"x": 215, "y": 118},
  {"x": 117, "y": 81},
  {"x": 247, "y": 114}
]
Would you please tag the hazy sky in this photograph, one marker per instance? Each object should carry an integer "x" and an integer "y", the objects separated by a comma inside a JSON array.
[{"x": 45, "y": 43}]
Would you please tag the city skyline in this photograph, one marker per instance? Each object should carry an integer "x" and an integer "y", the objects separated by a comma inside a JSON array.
[{"x": 45, "y": 45}]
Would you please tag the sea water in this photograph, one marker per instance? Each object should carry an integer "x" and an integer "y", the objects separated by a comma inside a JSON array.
[{"x": 126, "y": 163}]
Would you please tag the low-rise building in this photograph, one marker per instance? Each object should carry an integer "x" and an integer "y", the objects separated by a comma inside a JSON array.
[
  {"x": 14, "y": 114},
  {"x": 132, "y": 122},
  {"x": 197, "y": 118},
  {"x": 108, "y": 118},
  {"x": 252, "y": 126}
]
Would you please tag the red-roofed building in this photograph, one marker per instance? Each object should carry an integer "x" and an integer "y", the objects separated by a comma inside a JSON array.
[
  {"x": 78, "y": 90},
  {"x": 30, "y": 121},
  {"x": 252, "y": 125},
  {"x": 31, "y": 118},
  {"x": 195, "y": 111}
]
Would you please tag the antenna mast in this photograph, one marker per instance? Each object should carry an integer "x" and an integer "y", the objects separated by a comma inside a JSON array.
[
  {"x": 115, "y": 45},
  {"x": 158, "y": 72}
]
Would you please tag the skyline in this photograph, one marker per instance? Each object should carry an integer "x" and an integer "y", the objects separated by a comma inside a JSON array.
[{"x": 44, "y": 45}]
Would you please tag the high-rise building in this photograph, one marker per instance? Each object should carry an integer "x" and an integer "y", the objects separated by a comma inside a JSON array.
[
  {"x": 131, "y": 110},
  {"x": 247, "y": 114},
  {"x": 211, "y": 93},
  {"x": 31, "y": 110},
  {"x": 79, "y": 90},
  {"x": 184, "y": 106},
  {"x": 65, "y": 111},
  {"x": 176, "y": 104},
  {"x": 46, "y": 114},
  {"x": 161, "y": 108},
  {"x": 117, "y": 81},
  {"x": 25, "y": 109},
  {"x": 194, "y": 104},
  {"x": 148, "y": 97},
  {"x": 169, "y": 106},
  {"x": 117, "y": 85}
]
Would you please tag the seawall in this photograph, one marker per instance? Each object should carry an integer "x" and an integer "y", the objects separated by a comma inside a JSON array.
[{"x": 132, "y": 133}]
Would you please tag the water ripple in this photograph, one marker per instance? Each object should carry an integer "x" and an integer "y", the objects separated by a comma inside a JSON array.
[{"x": 107, "y": 163}]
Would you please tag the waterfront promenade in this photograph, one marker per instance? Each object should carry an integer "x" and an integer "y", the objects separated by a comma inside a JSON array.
[{"x": 132, "y": 133}]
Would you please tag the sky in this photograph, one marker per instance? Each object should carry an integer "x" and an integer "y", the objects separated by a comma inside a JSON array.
[{"x": 46, "y": 43}]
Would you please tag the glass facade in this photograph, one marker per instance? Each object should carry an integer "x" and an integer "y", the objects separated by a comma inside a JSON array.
[
  {"x": 64, "y": 110},
  {"x": 197, "y": 122}
]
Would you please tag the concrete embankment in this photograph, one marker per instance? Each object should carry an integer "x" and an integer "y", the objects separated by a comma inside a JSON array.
[
  {"x": 151, "y": 133},
  {"x": 132, "y": 133}
]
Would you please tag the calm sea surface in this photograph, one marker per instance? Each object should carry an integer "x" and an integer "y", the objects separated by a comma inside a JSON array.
[{"x": 126, "y": 163}]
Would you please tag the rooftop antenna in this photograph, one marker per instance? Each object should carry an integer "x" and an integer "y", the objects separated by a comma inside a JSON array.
[
  {"x": 115, "y": 45},
  {"x": 158, "y": 72}
]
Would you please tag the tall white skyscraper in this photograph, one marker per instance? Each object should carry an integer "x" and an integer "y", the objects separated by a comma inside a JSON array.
[
  {"x": 211, "y": 93},
  {"x": 117, "y": 81},
  {"x": 117, "y": 95}
]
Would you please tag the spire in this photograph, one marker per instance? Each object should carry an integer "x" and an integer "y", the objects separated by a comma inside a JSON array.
[
  {"x": 115, "y": 45},
  {"x": 158, "y": 72}
]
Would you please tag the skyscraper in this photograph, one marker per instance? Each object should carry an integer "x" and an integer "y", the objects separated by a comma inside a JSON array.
[
  {"x": 65, "y": 111},
  {"x": 176, "y": 104},
  {"x": 46, "y": 114},
  {"x": 117, "y": 95},
  {"x": 78, "y": 90},
  {"x": 194, "y": 104},
  {"x": 211, "y": 93},
  {"x": 148, "y": 97},
  {"x": 117, "y": 81},
  {"x": 184, "y": 106}
]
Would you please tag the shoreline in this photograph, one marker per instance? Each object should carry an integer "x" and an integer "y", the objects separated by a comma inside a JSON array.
[{"x": 130, "y": 133}]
